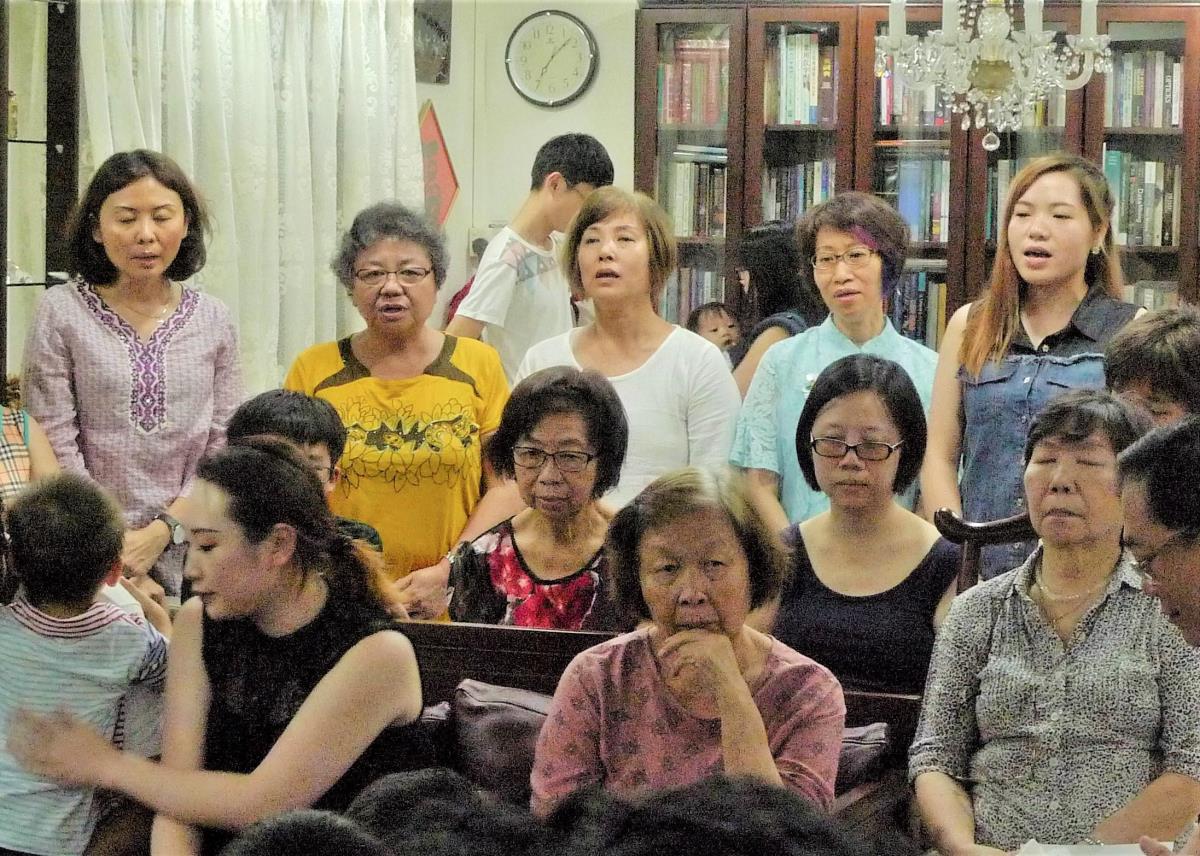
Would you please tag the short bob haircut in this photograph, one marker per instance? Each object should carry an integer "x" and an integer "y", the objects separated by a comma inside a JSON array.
[
  {"x": 869, "y": 219},
  {"x": 679, "y": 494},
  {"x": 867, "y": 373},
  {"x": 65, "y": 535},
  {"x": 382, "y": 221},
  {"x": 1077, "y": 414},
  {"x": 1167, "y": 462},
  {"x": 1162, "y": 350},
  {"x": 564, "y": 389},
  {"x": 87, "y": 257},
  {"x": 604, "y": 203}
]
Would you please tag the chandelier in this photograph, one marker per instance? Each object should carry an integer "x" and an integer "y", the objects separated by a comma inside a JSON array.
[{"x": 987, "y": 71}]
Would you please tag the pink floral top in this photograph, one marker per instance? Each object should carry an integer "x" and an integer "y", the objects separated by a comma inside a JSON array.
[
  {"x": 493, "y": 585},
  {"x": 135, "y": 415}
]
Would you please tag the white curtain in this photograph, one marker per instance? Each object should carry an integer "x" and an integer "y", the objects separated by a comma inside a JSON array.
[{"x": 289, "y": 116}]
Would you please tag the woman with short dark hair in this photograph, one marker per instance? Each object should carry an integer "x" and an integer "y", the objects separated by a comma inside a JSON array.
[
  {"x": 562, "y": 438},
  {"x": 1061, "y": 702},
  {"x": 694, "y": 691},
  {"x": 132, "y": 374},
  {"x": 419, "y": 406},
  {"x": 870, "y": 580},
  {"x": 679, "y": 397},
  {"x": 855, "y": 244}
]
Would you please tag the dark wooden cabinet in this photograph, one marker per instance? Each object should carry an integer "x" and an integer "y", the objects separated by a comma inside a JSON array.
[{"x": 784, "y": 151}]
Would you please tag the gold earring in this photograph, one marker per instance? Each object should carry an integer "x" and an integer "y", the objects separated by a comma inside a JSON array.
[{"x": 1095, "y": 251}]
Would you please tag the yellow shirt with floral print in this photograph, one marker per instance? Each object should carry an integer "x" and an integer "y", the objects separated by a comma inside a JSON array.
[{"x": 413, "y": 464}]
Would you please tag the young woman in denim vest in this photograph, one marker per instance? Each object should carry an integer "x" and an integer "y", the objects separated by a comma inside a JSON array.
[{"x": 1040, "y": 328}]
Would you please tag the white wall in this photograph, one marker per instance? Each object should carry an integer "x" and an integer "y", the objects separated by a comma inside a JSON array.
[{"x": 492, "y": 133}]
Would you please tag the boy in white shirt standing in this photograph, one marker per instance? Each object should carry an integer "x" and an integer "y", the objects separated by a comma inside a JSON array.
[{"x": 520, "y": 295}]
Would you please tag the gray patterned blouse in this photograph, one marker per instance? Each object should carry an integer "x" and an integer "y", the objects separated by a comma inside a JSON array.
[{"x": 1050, "y": 738}]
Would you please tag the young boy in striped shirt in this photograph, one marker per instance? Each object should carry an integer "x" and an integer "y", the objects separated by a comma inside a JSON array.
[{"x": 63, "y": 649}]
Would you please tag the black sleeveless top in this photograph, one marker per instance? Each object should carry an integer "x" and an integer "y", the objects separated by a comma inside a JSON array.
[
  {"x": 879, "y": 642},
  {"x": 259, "y": 683}
]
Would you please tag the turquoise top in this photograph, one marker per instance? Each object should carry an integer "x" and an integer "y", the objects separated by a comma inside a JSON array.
[{"x": 765, "y": 438}]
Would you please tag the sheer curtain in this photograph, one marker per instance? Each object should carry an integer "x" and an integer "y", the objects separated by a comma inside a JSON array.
[{"x": 289, "y": 116}]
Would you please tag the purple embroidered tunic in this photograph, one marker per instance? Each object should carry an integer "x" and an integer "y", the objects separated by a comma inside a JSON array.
[{"x": 136, "y": 416}]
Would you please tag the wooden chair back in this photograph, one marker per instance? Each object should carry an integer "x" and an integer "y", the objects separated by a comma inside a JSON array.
[{"x": 975, "y": 536}]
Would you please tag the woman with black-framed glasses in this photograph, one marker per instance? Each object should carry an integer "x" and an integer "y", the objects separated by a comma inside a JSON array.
[
  {"x": 870, "y": 580},
  {"x": 562, "y": 438}
]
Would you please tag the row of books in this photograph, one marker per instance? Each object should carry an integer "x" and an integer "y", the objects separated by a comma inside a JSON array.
[
  {"x": 917, "y": 306},
  {"x": 901, "y": 104},
  {"x": 1146, "y": 200},
  {"x": 697, "y": 180},
  {"x": 799, "y": 79},
  {"x": 693, "y": 82},
  {"x": 688, "y": 288},
  {"x": 1145, "y": 90},
  {"x": 788, "y": 191},
  {"x": 919, "y": 187},
  {"x": 1153, "y": 294}
]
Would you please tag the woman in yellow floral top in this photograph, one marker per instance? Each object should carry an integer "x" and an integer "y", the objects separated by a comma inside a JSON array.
[{"x": 418, "y": 406}]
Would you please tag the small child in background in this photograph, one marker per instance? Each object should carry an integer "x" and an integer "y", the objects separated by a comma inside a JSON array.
[
  {"x": 311, "y": 425},
  {"x": 61, "y": 648},
  {"x": 716, "y": 323}
]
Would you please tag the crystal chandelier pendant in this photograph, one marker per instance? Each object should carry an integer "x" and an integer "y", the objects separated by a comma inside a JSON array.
[{"x": 984, "y": 68}]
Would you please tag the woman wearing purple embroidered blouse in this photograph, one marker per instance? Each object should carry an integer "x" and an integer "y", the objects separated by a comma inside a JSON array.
[
  {"x": 694, "y": 692},
  {"x": 131, "y": 374}
]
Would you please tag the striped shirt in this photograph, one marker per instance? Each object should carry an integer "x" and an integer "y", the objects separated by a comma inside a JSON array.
[{"x": 84, "y": 664}]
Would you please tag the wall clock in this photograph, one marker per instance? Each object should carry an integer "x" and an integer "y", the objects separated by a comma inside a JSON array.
[{"x": 551, "y": 58}]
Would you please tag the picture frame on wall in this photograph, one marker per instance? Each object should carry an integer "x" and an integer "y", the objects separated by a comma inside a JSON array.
[{"x": 431, "y": 40}]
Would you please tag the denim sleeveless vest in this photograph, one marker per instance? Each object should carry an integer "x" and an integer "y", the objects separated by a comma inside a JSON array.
[{"x": 1000, "y": 404}]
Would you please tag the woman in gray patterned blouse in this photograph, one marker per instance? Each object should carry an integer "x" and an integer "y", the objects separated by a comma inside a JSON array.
[{"x": 1061, "y": 704}]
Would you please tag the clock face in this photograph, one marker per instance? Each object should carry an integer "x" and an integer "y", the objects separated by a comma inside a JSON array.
[{"x": 551, "y": 58}]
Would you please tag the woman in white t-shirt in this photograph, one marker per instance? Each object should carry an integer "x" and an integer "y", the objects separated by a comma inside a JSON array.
[{"x": 676, "y": 387}]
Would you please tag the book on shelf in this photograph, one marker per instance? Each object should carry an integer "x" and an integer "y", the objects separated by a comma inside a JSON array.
[
  {"x": 697, "y": 182},
  {"x": 1146, "y": 203},
  {"x": 687, "y": 288},
  {"x": 917, "y": 304},
  {"x": 799, "y": 79},
  {"x": 901, "y": 104},
  {"x": 693, "y": 82},
  {"x": 789, "y": 191},
  {"x": 919, "y": 187},
  {"x": 1145, "y": 88},
  {"x": 1153, "y": 294}
]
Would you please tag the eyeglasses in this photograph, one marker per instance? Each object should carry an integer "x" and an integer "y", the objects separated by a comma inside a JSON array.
[
  {"x": 378, "y": 276},
  {"x": 867, "y": 450},
  {"x": 1144, "y": 565},
  {"x": 323, "y": 471},
  {"x": 855, "y": 257},
  {"x": 533, "y": 458}
]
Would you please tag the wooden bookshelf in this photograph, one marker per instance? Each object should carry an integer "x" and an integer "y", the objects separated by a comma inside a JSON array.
[{"x": 860, "y": 141}]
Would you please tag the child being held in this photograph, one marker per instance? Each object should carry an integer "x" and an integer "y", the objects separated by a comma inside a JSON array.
[
  {"x": 716, "y": 323},
  {"x": 61, "y": 648}
]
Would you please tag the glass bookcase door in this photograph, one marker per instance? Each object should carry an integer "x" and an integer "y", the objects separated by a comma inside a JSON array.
[
  {"x": 693, "y": 156},
  {"x": 25, "y": 233},
  {"x": 914, "y": 159},
  {"x": 1143, "y": 151},
  {"x": 799, "y": 92}
]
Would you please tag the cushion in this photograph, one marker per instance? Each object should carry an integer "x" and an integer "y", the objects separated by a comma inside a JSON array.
[{"x": 496, "y": 730}]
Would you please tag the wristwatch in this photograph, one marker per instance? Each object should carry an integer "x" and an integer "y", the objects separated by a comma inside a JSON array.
[{"x": 178, "y": 536}]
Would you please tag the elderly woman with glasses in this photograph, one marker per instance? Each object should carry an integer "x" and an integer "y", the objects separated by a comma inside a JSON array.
[
  {"x": 1061, "y": 702},
  {"x": 419, "y": 406},
  {"x": 871, "y": 581},
  {"x": 562, "y": 437},
  {"x": 855, "y": 245}
]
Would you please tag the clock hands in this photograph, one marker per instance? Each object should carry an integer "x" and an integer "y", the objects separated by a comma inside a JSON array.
[{"x": 542, "y": 73}]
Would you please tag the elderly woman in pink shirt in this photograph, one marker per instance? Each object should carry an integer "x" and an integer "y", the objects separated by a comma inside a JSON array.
[{"x": 694, "y": 691}]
